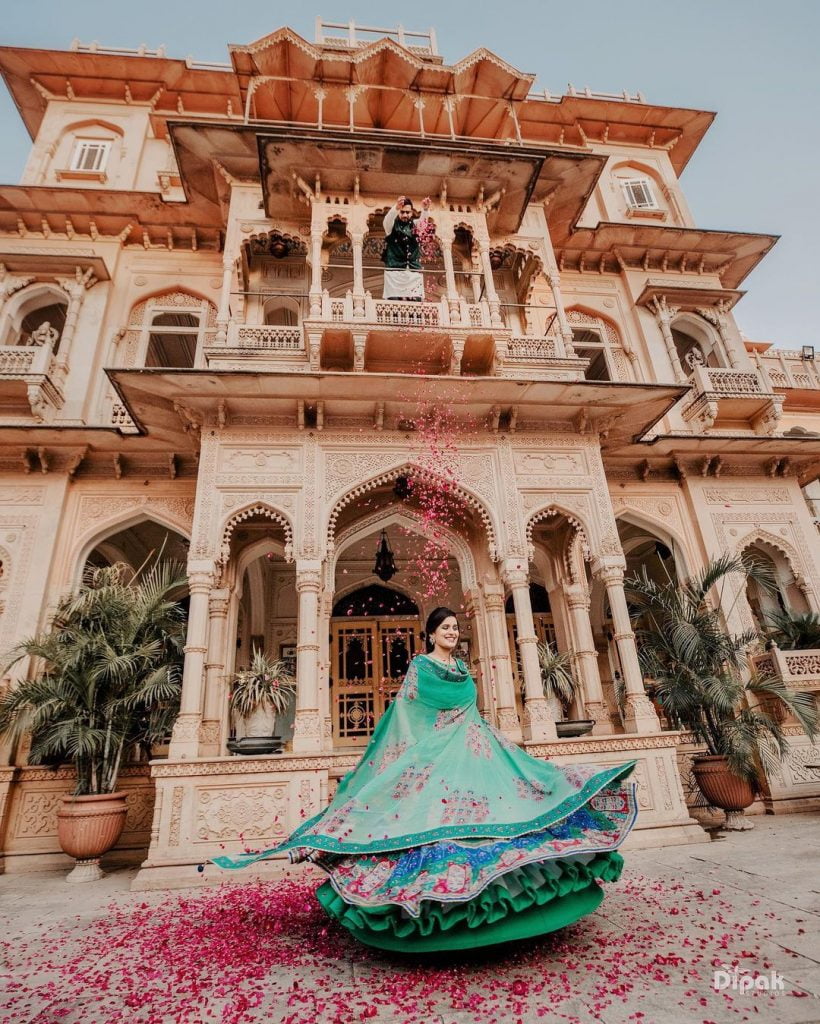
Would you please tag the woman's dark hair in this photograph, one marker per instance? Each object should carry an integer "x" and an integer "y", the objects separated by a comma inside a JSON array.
[{"x": 434, "y": 620}]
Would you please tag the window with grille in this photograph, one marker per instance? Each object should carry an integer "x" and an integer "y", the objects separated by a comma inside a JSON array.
[
  {"x": 90, "y": 155},
  {"x": 639, "y": 194}
]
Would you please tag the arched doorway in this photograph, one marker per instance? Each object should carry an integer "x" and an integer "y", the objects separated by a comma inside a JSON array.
[{"x": 374, "y": 633}]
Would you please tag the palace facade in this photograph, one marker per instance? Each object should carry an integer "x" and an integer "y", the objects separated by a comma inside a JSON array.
[{"x": 195, "y": 355}]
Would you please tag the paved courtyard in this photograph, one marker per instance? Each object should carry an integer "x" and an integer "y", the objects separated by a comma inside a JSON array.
[{"x": 746, "y": 906}]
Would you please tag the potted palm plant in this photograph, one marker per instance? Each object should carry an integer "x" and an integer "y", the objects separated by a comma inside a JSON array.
[
  {"x": 106, "y": 678},
  {"x": 560, "y": 690},
  {"x": 258, "y": 695},
  {"x": 794, "y": 632},
  {"x": 699, "y": 679}
]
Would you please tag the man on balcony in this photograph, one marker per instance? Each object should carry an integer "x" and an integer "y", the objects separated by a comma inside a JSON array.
[{"x": 402, "y": 254}]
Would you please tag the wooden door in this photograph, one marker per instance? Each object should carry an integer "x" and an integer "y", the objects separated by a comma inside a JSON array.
[{"x": 369, "y": 658}]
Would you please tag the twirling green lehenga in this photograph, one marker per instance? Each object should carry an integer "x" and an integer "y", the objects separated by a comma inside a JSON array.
[{"x": 448, "y": 836}]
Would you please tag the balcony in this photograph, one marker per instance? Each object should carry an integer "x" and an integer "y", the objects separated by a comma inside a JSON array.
[
  {"x": 263, "y": 346},
  {"x": 29, "y": 382},
  {"x": 384, "y": 335},
  {"x": 797, "y": 670},
  {"x": 728, "y": 400}
]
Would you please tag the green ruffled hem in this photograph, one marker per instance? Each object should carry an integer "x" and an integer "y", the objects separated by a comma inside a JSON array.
[{"x": 493, "y": 916}]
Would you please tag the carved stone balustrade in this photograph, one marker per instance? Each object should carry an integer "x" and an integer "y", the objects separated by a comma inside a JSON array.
[
  {"x": 29, "y": 382},
  {"x": 731, "y": 400},
  {"x": 254, "y": 346},
  {"x": 538, "y": 359},
  {"x": 798, "y": 670}
]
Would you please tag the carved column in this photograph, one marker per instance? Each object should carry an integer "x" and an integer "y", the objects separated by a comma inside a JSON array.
[
  {"x": 185, "y": 735},
  {"x": 489, "y": 282},
  {"x": 554, "y": 280},
  {"x": 325, "y": 696},
  {"x": 450, "y": 274},
  {"x": 357, "y": 242},
  {"x": 307, "y": 729},
  {"x": 639, "y": 715},
  {"x": 315, "y": 274},
  {"x": 75, "y": 288},
  {"x": 499, "y": 656},
  {"x": 664, "y": 314},
  {"x": 718, "y": 317},
  {"x": 539, "y": 724},
  {"x": 223, "y": 315},
  {"x": 216, "y": 687},
  {"x": 486, "y": 696},
  {"x": 586, "y": 658}
]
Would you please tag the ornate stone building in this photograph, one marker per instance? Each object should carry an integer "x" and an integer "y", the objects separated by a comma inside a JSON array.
[{"x": 194, "y": 351}]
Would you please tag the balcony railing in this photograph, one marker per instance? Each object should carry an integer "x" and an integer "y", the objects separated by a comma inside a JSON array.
[
  {"x": 267, "y": 336},
  {"x": 798, "y": 670},
  {"x": 787, "y": 368},
  {"x": 30, "y": 380},
  {"x": 739, "y": 399},
  {"x": 392, "y": 313}
]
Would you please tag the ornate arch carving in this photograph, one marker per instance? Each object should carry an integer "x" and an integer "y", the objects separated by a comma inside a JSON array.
[
  {"x": 389, "y": 476},
  {"x": 581, "y": 534},
  {"x": 177, "y": 298},
  {"x": 259, "y": 508},
  {"x": 170, "y": 513},
  {"x": 789, "y": 552}
]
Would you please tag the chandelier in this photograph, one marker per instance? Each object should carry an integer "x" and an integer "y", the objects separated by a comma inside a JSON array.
[{"x": 385, "y": 567}]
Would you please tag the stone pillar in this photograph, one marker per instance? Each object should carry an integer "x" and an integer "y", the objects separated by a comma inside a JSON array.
[
  {"x": 576, "y": 596},
  {"x": 663, "y": 314},
  {"x": 307, "y": 729},
  {"x": 718, "y": 317},
  {"x": 450, "y": 274},
  {"x": 539, "y": 724},
  {"x": 216, "y": 685},
  {"x": 554, "y": 279},
  {"x": 499, "y": 657},
  {"x": 315, "y": 274},
  {"x": 185, "y": 735},
  {"x": 75, "y": 288},
  {"x": 223, "y": 314},
  {"x": 357, "y": 241},
  {"x": 639, "y": 715},
  {"x": 325, "y": 699},
  {"x": 489, "y": 282}
]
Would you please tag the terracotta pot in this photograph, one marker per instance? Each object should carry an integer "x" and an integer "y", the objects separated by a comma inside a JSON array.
[
  {"x": 719, "y": 786},
  {"x": 88, "y": 827}
]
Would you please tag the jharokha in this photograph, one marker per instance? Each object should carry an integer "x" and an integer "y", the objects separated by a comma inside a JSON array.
[{"x": 203, "y": 351}]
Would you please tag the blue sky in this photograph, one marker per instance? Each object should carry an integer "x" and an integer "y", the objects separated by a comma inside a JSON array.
[{"x": 754, "y": 62}]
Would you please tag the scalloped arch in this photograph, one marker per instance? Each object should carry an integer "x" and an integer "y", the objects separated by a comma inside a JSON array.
[
  {"x": 390, "y": 475},
  {"x": 581, "y": 534},
  {"x": 258, "y": 508}
]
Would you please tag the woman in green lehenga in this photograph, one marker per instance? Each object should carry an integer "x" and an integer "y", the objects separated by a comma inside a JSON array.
[{"x": 447, "y": 835}]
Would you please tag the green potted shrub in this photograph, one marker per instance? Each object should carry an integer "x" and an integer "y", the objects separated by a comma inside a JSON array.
[
  {"x": 258, "y": 695},
  {"x": 699, "y": 679},
  {"x": 106, "y": 677},
  {"x": 794, "y": 632},
  {"x": 560, "y": 689}
]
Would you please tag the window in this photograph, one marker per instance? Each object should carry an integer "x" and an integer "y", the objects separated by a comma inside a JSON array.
[
  {"x": 90, "y": 155},
  {"x": 173, "y": 340},
  {"x": 590, "y": 345},
  {"x": 639, "y": 194}
]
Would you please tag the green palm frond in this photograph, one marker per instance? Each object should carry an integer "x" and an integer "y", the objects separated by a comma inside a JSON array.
[
  {"x": 111, "y": 656},
  {"x": 556, "y": 675},
  {"x": 698, "y": 668},
  {"x": 267, "y": 683}
]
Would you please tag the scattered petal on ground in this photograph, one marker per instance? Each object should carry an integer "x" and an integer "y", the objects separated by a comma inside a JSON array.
[{"x": 266, "y": 952}]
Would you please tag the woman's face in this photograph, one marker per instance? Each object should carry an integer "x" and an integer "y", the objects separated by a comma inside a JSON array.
[{"x": 446, "y": 635}]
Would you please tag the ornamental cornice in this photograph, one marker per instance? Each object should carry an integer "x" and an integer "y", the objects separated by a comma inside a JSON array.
[
  {"x": 604, "y": 744},
  {"x": 275, "y": 764}
]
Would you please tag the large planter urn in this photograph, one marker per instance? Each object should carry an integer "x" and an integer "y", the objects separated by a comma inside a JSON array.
[
  {"x": 255, "y": 734},
  {"x": 723, "y": 789},
  {"x": 88, "y": 827}
]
